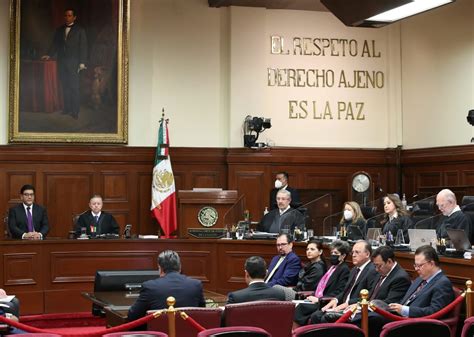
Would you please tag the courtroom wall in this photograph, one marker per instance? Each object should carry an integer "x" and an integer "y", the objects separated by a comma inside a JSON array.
[
  {"x": 438, "y": 76},
  {"x": 208, "y": 68}
]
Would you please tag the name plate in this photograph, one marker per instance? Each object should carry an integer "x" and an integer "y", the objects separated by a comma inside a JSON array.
[{"x": 207, "y": 233}]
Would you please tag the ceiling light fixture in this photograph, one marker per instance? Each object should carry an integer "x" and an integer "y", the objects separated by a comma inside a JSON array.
[{"x": 378, "y": 13}]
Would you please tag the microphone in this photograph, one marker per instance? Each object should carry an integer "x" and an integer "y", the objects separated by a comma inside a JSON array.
[
  {"x": 428, "y": 223},
  {"x": 330, "y": 226}
]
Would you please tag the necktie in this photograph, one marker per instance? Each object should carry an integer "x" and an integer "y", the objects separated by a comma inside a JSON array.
[
  {"x": 274, "y": 269},
  {"x": 96, "y": 217},
  {"x": 377, "y": 287},
  {"x": 415, "y": 293},
  {"x": 350, "y": 285},
  {"x": 323, "y": 282},
  {"x": 29, "y": 219}
]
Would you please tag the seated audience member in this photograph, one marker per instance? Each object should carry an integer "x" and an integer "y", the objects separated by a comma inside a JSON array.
[
  {"x": 153, "y": 294},
  {"x": 95, "y": 221},
  {"x": 396, "y": 218},
  {"x": 393, "y": 281},
  {"x": 453, "y": 217},
  {"x": 281, "y": 183},
  {"x": 362, "y": 276},
  {"x": 255, "y": 272},
  {"x": 12, "y": 306},
  {"x": 330, "y": 285},
  {"x": 284, "y": 267},
  {"x": 284, "y": 218},
  {"x": 28, "y": 220},
  {"x": 10, "y": 330},
  {"x": 352, "y": 217},
  {"x": 312, "y": 272},
  {"x": 429, "y": 293}
]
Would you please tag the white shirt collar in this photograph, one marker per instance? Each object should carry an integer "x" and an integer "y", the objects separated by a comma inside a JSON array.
[
  {"x": 283, "y": 211},
  {"x": 455, "y": 209}
]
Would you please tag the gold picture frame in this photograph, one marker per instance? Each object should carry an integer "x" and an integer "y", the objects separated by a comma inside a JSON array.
[{"x": 48, "y": 100}]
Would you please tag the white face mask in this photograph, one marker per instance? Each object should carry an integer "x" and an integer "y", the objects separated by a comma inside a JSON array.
[
  {"x": 347, "y": 214},
  {"x": 278, "y": 184}
]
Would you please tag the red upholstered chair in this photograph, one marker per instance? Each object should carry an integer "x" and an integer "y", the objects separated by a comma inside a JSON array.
[
  {"x": 416, "y": 327},
  {"x": 235, "y": 331},
  {"x": 468, "y": 328},
  {"x": 276, "y": 317},
  {"x": 136, "y": 334},
  {"x": 452, "y": 318},
  {"x": 38, "y": 335},
  {"x": 328, "y": 330},
  {"x": 207, "y": 317}
]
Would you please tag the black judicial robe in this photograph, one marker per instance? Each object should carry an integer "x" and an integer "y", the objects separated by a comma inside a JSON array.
[
  {"x": 457, "y": 220},
  {"x": 273, "y": 222}
]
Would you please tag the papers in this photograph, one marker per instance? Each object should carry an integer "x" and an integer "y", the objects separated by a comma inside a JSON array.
[
  {"x": 7, "y": 299},
  {"x": 148, "y": 237}
]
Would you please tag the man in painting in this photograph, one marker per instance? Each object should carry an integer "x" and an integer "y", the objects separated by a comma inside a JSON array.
[{"x": 69, "y": 46}]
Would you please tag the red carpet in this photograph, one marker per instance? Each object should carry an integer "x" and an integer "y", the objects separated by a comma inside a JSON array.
[{"x": 66, "y": 324}]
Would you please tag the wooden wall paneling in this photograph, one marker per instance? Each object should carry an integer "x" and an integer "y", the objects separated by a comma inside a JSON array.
[
  {"x": 67, "y": 193},
  {"x": 249, "y": 181},
  {"x": 451, "y": 178},
  {"x": 143, "y": 223},
  {"x": 467, "y": 177},
  {"x": 115, "y": 186},
  {"x": 198, "y": 264},
  {"x": 14, "y": 181},
  {"x": 206, "y": 179}
]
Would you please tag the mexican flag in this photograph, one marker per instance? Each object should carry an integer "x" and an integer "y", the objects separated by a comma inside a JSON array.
[{"x": 163, "y": 191}]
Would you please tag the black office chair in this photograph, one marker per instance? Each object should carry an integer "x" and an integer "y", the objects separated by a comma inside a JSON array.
[
  {"x": 369, "y": 213},
  {"x": 422, "y": 210},
  {"x": 467, "y": 206}
]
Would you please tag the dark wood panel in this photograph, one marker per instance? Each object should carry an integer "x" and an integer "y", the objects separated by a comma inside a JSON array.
[
  {"x": 15, "y": 180},
  {"x": 66, "y": 191},
  {"x": 22, "y": 269},
  {"x": 115, "y": 186}
]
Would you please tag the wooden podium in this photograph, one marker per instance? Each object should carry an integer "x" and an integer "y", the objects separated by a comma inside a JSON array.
[{"x": 192, "y": 204}]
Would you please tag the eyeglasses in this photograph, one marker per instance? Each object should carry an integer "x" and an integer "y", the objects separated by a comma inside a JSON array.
[
  {"x": 378, "y": 266},
  {"x": 28, "y": 194},
  {"x": 282, "y": 244},
  {"x": 418, "y": 266},
  {"x": 356, "y": 252}
]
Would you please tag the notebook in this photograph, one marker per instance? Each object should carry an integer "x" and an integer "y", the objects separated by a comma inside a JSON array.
[{"x": 421, "y": 237}]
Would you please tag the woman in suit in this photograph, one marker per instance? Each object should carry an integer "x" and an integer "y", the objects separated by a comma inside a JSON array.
[
  {"x": 310, "y": 274},
  {"x": 396, "y": 218},
  {"x": 352, "y": 218},
  {"x": 330, "y": 285}
]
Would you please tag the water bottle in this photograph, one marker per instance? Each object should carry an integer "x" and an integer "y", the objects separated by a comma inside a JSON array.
[{"x": 404, "y": 202}]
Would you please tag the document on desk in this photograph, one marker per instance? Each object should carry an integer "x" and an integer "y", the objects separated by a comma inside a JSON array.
[{"x": 148, "y": 237}]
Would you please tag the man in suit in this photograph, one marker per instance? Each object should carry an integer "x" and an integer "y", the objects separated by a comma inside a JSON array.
[
  {"x": 393, "y": 281},
  {"x": 70, "y": 47},
  {"x": 362, "y": 276},
  {"x": 281, "y": 183},
  {"x": 429, "y": 293},
  {"x": 282, "y": 219},
  {"x": 95, "y": 221},
  {"x": 255, "y": 272},
  {"x": 28, "y": 220},
  {"x": 153, "y": 294},
  {"x": 453, "y": 217},
  {"x": 284, "y": 267}
]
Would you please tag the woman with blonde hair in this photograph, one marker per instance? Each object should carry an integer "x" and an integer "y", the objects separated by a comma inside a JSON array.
[{"x": 352, "y": 218}]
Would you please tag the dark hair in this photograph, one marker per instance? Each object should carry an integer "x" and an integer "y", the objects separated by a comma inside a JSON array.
[
  {"x": 385, "y": 252},
  {"x": 319, "y": 245},
  {"x": 429, "y": 253},
  {"x": 341, "y": 246},
  {"x": 72, "y": 10},
  {"x": 285, "y": 174},
  {"x": 27, "y": 187},
  {"x": 289, "y": 237},
  {"x": 256, "y": 267},
  {"x": 168, "y": 261}
]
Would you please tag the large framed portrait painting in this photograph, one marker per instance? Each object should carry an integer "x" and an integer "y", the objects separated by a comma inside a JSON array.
[{"x": 69, "y": 71}]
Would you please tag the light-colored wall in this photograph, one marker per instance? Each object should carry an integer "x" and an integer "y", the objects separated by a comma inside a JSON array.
[
  {"x": 438, "y": 76},
  {"x": 207, "y": 68}
]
